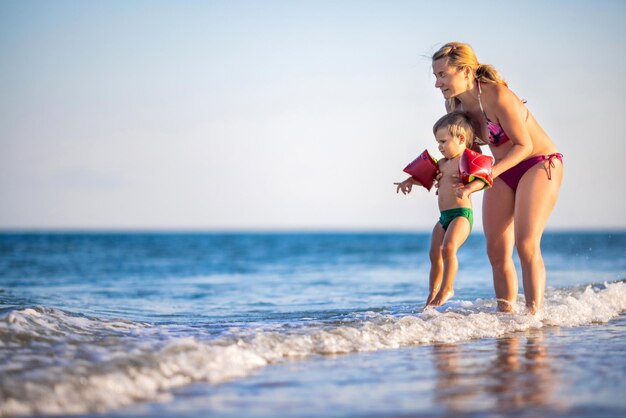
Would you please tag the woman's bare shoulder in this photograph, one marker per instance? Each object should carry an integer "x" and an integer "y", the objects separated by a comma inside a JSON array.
[
  {"x": 499, "y": 100},
  {"x": 498, "y": 94}
]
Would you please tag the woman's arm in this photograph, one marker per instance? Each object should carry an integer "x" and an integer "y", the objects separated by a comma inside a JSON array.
[
  {"x": 510, "y": 114},
  {"x": 476, "y": 148}
]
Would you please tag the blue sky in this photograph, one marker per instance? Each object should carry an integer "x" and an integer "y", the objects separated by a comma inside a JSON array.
[{"x": 284, "y": 114}]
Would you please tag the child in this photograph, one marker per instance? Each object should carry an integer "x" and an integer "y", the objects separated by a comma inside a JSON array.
[{"x": 454, "y": 133}]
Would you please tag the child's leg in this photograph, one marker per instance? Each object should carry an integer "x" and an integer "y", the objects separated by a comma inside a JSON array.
[
  {"x": 436, "y": 262},
  {"x": 455, "y": 236}
]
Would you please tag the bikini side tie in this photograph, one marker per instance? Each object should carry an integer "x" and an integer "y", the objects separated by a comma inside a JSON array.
[{"x": 551, "y": 165}]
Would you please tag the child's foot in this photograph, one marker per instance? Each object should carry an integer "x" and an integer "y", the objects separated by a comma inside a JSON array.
[
  {"x": 431, "y": 297},
  {"x": 442, "y": 297}
]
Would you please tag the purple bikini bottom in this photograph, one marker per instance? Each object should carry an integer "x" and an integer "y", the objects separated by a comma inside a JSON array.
[{"x": 513, "y": 175}]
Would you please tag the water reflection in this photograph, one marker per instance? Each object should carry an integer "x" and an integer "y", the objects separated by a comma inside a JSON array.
[{"x": 516, "y": 376}]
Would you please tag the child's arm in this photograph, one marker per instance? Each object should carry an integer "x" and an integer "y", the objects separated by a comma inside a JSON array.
[{"x": 407, "y": 185}]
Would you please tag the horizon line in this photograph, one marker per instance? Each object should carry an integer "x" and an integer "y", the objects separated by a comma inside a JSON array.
[{"x": 264, "y": 230}]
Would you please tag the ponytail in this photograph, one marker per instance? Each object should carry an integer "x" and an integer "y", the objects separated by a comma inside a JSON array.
[{"x": 487, "y": 73}]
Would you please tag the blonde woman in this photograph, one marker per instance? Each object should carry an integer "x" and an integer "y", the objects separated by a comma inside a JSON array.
[{"x": 527, "y": 173}]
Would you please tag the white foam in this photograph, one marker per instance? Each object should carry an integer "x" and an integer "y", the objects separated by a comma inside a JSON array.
[
  {"x": 138, "y": 367},
  {"x": 47, "y": 322}
]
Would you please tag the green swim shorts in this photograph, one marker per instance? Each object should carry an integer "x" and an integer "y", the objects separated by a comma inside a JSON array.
[{"x": 449, "y": 215}]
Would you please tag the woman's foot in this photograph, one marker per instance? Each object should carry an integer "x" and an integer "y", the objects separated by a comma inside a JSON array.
[
  {"x": 532, "y": 308},
  {"x": 505, "y": 306}
]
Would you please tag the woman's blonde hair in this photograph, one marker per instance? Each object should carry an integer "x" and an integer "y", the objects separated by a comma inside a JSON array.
[
  {"x": 462, "y": 56},
  {"x": 457, "y": 123}
]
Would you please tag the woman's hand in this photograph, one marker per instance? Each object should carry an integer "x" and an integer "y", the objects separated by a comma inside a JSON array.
[
  {"x": 436, "y": 184},
  {"x": 464, "y": 191},
  {"x": 461, "y": 191}
]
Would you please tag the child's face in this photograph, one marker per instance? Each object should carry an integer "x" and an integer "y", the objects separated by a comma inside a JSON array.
[{"x": 450, "y": 146}]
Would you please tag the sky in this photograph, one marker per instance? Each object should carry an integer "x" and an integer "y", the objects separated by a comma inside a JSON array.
[{"x": 285, "y": 115}]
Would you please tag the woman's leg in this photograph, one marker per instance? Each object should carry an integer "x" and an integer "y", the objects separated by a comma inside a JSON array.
[
  {"x": 534, "y": 200},
  {"x": 498, "y": 206}
]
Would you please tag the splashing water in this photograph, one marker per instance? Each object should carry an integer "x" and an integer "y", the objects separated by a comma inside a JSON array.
[{"x": 55, "y": 362}]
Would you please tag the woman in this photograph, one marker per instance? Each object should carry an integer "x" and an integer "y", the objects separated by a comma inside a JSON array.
[{"x": 527, "y": 172}]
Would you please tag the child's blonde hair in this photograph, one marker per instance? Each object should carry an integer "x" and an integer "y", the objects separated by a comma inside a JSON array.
[
  {"x": 461, "y": 56},
  {"x": 458, "y": 123}
]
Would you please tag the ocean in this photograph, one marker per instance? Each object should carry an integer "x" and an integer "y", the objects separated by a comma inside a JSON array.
[{"x": 120, "y": 324}]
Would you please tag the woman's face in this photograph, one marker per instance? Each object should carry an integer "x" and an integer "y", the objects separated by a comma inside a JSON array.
[{"x": 450, "y": 80}]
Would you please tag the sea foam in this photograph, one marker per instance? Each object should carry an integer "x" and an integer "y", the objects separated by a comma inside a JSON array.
[{"x": 54, "y": 362}]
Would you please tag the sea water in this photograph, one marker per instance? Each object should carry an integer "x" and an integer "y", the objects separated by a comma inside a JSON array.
[{"x": 302, "y": 325}]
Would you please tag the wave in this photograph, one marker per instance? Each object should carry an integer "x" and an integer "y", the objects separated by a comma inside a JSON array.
[{"x": 56, "y": 362}]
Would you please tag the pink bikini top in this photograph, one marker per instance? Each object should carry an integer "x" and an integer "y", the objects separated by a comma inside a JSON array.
[{"x": 497, "y": 136}]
